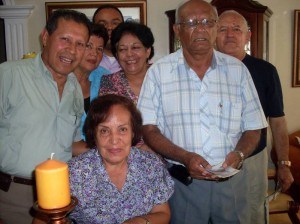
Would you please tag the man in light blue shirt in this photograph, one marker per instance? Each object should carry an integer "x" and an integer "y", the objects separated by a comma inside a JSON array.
[
  {"x": 200, "y": 108},
  {"x": 40, "y": 110}
]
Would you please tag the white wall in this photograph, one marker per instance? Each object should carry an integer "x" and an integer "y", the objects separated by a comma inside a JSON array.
[{"x": 281, "y": 41}]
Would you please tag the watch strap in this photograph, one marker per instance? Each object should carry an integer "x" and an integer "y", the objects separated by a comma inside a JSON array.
[
  {"x": 242, "y": 157},
  {"x": 284, "y": 163}
]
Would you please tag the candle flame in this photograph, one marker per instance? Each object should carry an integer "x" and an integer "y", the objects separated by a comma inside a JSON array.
[{"x": 52, "y": 154}]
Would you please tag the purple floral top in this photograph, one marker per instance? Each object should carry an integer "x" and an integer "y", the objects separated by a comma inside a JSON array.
[
  {"x": 148, "y": 183},
  {"x": 118, "y": 84}
]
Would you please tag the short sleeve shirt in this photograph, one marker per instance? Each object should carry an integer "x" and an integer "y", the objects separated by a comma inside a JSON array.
[
  {"x": 205, "y": 116},
  {"x": 34, "y": 122},
  {"x": 267, "y": 84}
]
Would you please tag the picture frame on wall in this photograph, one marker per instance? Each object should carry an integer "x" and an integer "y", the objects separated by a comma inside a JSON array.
[{"x": 131, "y": 10}]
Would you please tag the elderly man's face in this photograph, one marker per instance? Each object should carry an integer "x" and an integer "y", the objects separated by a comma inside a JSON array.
[
  {"x": 64, "y": 48},
  {"x": 233, "y": 35},
  {"x": 197, "y": 29}
]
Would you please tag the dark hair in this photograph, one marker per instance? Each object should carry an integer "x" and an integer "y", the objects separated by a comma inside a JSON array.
[
  {"x": 99, "y": 111},
  {"x": 99, "y": 31},
  {"x": 66, "y": 14},
  {"x": 142, "y": 32},
  {"x": 107, "y": 6}
]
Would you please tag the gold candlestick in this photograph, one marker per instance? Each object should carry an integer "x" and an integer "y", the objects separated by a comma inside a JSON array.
[{"x": 57, "y": 216}]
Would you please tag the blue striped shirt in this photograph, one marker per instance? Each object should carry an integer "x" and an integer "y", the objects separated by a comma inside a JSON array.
[{"x": 204, "y": 116}]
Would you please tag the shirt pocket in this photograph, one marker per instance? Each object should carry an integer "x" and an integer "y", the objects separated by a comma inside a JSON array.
[{"x": 226, "y": 116}]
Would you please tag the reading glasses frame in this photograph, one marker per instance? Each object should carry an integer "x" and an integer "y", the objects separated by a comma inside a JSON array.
[{"x": 193, "y": 23}]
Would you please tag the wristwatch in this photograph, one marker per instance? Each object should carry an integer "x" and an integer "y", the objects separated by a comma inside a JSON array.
[
  {"x": 242, "y": 157},
  {"x": 284, "y": 163}
]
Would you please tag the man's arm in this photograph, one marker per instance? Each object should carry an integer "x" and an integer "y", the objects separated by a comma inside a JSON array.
[
  {"x": 281, "y": 144},
  {"x": 246, "y": 144},
  {"x": 193, "y": 162},
  {"x": 79, "y": 147}
]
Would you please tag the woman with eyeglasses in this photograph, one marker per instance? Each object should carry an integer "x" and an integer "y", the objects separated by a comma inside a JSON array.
[
  {"x": 88, "y": 73},
  {"x": 132, "y": 45}
]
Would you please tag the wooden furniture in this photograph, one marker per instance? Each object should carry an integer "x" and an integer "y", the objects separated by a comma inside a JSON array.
[
  {"x": 172, "y": 38},
  {"x": 282, "y": 207},
  {"x": 294, "y": 156},
  {"x": 288, "y": 203},
  {"x": 256, "y": 14}
]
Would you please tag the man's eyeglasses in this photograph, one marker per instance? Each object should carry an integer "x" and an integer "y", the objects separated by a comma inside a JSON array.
[
  {"x": 193, "y": 23},
  {"x": 89, "y": 46}
]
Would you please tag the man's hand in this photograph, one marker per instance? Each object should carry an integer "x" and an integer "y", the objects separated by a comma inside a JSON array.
[
  {"x": 285, "y": 177},
  {"x": 197, "y": 166},
  {"x": 232, "y": 159}
]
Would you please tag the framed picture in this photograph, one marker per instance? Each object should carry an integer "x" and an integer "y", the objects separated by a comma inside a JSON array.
[
  {"x": 131, "y": 10},
  {"x": 296, "y": 62}
]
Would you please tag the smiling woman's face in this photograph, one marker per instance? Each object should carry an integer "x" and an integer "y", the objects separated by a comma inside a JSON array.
[
  {"x": 93, "y": 54},
  {"x": 132, "y": 55},
  {"x": 114, "y": 136}
]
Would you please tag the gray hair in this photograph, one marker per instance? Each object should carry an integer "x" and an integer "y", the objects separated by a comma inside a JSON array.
[
  {"x": 238, "y": 14},
  {"x": 180, "y": 6}
]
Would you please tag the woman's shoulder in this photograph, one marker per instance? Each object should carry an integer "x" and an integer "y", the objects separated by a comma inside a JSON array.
[
  {"x": 145, "y": 159},
  {"x": 84, "y": 159}
]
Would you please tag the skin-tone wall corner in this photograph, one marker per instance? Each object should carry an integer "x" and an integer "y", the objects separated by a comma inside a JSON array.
[{"x": 280, "y": 42}]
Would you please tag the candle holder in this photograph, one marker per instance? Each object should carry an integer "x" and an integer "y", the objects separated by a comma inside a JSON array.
[{"x": 57, "y": 216}]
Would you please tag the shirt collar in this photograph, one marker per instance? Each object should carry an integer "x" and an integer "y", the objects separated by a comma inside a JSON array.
[
  {"x": 44, "y": 70},
  {"x": 181, "y": 60}
]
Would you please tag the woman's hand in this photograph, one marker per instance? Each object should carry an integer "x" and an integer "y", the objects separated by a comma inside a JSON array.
[{"x": 160, "y": 214}]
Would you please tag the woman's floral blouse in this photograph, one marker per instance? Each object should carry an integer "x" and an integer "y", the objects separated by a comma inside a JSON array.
[
  {"x": 147, "y": 184},
  {"x": 118, "y": 84}
]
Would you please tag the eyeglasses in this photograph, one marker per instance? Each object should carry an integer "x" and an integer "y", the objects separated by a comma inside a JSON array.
[
  {"x": 193, "y": 23},
  {"x": 89, "y": 46}
]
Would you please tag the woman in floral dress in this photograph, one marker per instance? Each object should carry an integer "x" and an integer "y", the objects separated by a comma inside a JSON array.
[
  {"x": 132, "y": 44},
  {"x": 115, "y": 182}
]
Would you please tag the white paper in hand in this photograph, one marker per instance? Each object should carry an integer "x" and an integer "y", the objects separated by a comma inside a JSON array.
[{"x": 219, "y": 171}]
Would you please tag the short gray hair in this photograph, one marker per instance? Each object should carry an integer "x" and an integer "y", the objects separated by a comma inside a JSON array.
[
  {"x": 236, "y": 13},
  {"x": 179, "y": 7}
]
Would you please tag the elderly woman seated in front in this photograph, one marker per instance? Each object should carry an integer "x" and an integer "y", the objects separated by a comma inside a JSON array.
[{"x": 115, "y": 182}]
